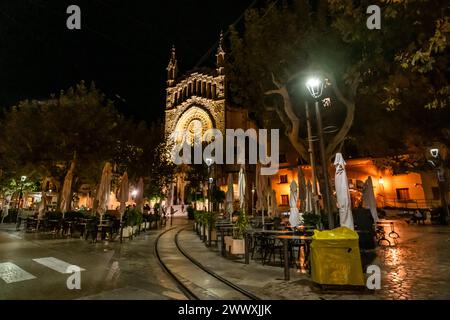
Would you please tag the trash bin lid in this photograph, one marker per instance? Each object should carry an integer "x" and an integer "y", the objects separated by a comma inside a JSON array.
[{"x": 341, "y": 233}]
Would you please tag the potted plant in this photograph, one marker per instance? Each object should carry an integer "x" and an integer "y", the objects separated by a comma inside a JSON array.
[
  {"x": 203, "y": 223},
  {"x": 131, "y": 220},
  {"x": 196, "y": 221},
  {"x": 211, "y": 233},
  {"x": 200, "y": 221},
  {"x": 139, "y": 219},
  {"x": 312, "y": 219},
  {"x": 236, "y": 243}
]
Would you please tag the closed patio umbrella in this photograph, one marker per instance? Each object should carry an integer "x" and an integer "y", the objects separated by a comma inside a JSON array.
[
  {"x": 273, "y": 202},
  {"x": 6, "y": 207},
  {"x": 66, "y": 192},
  {"x": 241, "y": 188},
  {"x": 140, "y": 195},
  {"x": 230, "y": 196},
  {"x": 25, "y": 200},
  {"x": 103, "y": 190},
  {"x": 124, "y": 192},
  {"x": 260, "y": 188},
  {"x": 42, "y": 205},
  {"x": 343, "y": 193},
  {"x": 294, "y": 217},
  {"x": 369, "y": 201}
]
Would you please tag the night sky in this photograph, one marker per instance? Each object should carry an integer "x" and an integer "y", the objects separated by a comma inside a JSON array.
[{"x": 123, "y": 46}]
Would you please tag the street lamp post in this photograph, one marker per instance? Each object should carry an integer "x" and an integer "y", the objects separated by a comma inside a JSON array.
[
  {"x": 19, "y": 219},
  {"x": 209, "y": 162},
  {"x": 437, "y": 163},
  {"x": 253, "y": 201},
  {"x": 22, "y": 180},
  {"x": 312, "y": 159},
  {"x": 315, "y": 88}
]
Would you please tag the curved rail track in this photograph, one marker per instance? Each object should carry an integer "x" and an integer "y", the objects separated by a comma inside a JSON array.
[{"x": 186, "y": 262}]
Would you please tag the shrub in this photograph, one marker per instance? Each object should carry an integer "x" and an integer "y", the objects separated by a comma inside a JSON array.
[
  {"x": 241, "y": 225},
  {"x": 133, "y": 217},
  {"x": 312, "y": 219}
]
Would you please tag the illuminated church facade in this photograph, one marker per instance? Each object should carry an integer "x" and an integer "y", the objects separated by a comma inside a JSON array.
[{"x": 199, "y": 99}]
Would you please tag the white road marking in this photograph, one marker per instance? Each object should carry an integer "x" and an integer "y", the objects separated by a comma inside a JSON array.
[
  {"x": 55, "y": 264},
  {"x": 10, "y": 273}
]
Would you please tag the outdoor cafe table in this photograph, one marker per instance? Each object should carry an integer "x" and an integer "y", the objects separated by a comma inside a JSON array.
[
  {"x": 260, "y": 231},
  {"x": 286, "y": 239},
  {"x": 54, "y": 223}
]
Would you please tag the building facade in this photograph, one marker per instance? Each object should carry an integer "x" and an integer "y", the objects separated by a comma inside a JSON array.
[{"x": 198, "y": 99}]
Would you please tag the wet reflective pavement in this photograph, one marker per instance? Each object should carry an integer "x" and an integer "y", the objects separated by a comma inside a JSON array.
[
  {"x": 417, "y": 267},
  {"x": 112, "y": 270}
]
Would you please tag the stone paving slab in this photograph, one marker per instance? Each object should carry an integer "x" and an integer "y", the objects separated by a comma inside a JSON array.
[{"x": 417, "y": 267}]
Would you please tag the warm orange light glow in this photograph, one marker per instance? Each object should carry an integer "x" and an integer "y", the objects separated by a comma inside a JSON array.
[{"x": 381, "y": 181}]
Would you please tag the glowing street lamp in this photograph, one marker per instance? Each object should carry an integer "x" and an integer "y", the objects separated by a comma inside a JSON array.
[
  {"x": 438, "y": 165},
  {"x": 434, "y": 152},
  {"x": 22, "y": 180},
  {"x": 315, "y": 88},
  {"x": 209, "y": 162}
]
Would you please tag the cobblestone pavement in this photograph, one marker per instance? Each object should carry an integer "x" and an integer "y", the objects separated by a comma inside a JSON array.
[{"x": 417, "y": 267}]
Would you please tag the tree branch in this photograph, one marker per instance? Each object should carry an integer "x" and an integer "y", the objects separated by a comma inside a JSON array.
[
  {"x": 339, "y": 138},
  {"x": 293, "y": 132}
]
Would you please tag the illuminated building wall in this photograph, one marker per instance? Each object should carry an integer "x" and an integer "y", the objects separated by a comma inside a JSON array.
[{"x": 410, "y": 190}]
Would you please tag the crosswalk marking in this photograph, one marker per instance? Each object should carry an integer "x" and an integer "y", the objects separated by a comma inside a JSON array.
[
  {"x": 10, "y": 273},
  {"x": 55, "y": 264}
]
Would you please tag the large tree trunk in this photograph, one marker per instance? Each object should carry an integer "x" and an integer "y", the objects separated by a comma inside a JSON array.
[{"x": 292, "y": 123}]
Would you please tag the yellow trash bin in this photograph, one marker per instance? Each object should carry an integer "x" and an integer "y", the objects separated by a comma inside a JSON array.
[{"x": 335, "y": 257}]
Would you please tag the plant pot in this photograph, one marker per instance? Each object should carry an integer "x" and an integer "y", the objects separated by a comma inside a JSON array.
[
  {"x": 234, "y": 246},
  {"x": 213, "y": 234},
  {"x": 127, "y": 232},
  {"x": 238, "y": 246},
  {"x": 135, "y": 229}
]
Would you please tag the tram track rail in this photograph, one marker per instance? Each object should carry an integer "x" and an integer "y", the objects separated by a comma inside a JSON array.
[{"x": 188, "y": 292}]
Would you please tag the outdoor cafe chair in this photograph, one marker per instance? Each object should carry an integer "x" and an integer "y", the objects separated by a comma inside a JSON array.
[
  {"x": 30, "y": 224},
  {"x": 257, "y": 244},
  {"x": 273, "y": 248}
]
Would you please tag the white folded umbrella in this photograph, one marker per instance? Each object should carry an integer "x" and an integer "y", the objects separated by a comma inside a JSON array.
[
  {"x": 343, "y": 193},
  {"x": 369, "y": 200},
  {"x": 294, "y": 218}
]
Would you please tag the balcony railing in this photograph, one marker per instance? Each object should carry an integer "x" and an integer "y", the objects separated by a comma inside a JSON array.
[{"x": 412, "y": 203}]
